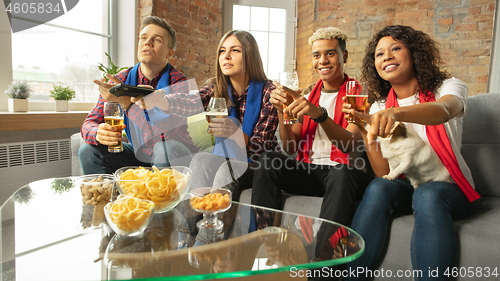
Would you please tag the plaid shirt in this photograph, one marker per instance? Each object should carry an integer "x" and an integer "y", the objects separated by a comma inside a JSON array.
[
  {"x": 174, "y": 129},
  {"x": 263, "y": 138}
]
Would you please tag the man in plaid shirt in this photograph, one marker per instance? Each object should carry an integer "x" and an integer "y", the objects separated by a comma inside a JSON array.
[{"x": 159, "y": 143}]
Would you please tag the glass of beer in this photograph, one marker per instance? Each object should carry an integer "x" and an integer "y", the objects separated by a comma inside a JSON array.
[
  {"x": 217, "y": 108},
  {"x": 291, "y": 81},
  {"x": 113, "y": 115},
  {"x": 357, "y": 97}
]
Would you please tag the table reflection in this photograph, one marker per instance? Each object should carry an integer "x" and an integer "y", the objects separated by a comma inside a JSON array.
[
  {"x": 119, "y": 258},
  {"x": 46, "y": 219}
]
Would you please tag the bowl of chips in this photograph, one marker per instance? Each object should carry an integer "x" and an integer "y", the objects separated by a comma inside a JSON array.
[
  {"x": 165, "y": 187},
  {"x": 129, "y": 216}
]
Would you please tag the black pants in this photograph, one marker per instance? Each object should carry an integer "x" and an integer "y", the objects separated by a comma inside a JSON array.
[{"x": 340, "y": 186}]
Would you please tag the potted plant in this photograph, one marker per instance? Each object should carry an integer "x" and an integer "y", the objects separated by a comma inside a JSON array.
[
  {"x": 62, "y": 95},
  {"x": 112, "y": 69},
  {"x": 18, "y": 93}
]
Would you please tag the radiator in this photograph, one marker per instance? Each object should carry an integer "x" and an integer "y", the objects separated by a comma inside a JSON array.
[{"x": 24, "y": 162}]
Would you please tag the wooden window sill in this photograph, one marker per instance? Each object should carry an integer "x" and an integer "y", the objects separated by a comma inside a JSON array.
[{"x": 40, "y": 120}]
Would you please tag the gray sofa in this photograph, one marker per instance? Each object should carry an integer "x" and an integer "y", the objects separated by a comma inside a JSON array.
[{"x": 478, "y": 234}]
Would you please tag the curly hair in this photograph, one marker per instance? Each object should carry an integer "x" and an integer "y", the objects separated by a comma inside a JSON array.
[{"x": 424, "y": 52}]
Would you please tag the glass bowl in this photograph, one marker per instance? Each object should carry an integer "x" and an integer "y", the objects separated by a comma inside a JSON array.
[
  {"x": 129, "y": 216},
  {"x": 210, "y": 201},
  {"x": 165, "y": 187},
  {"x": 96, "y": 190}
]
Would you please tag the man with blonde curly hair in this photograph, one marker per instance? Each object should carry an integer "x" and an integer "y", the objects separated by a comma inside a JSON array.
[{"x": 329, "y": 159}]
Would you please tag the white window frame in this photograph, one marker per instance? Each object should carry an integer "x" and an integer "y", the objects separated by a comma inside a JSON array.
[
  {"x": 5, "y": 58},
  {"x": 493, "y": 81},
  {"x": 121, "y": 47},
  {"x": 291, "y": 26}
]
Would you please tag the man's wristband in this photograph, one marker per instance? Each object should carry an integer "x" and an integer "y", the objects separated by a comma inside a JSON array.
[{"x": 323, "y": 117}]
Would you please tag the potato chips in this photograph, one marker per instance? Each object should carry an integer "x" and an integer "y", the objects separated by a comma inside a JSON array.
[
  {"x": 160, "y": 186},
  {"x": 129, "y": 213}
]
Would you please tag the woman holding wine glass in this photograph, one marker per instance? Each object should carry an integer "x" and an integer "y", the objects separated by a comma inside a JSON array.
[
  {"x": 251, "y": 122},
  {"x": 251, "y": 126}
]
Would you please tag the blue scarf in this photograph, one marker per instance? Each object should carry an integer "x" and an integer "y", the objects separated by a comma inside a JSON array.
[
  {"x": 229, "y": 148},
  {"x": 157, "y": 114}
]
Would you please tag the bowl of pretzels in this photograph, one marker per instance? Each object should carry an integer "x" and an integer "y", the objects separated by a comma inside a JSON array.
[{"x": 165, "y": 187}]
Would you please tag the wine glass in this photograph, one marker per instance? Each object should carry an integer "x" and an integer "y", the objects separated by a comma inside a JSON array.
[
  {"x": 113, "y": 115},
  {"x": 211, "y": 201},
  {"x": 291, "y": 81},
  {"x": 357, "y": 97},
  {"x": 217, "y": 108}
]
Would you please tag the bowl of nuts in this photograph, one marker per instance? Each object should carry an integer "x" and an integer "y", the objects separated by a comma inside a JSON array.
[{"x": 96, "y": 190}]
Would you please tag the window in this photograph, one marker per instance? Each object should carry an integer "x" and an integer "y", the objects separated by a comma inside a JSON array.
[
  {"x": 66, "y": 50},
  {"x": 273, "y": 24},
  {"x": 493, "y": 82}
]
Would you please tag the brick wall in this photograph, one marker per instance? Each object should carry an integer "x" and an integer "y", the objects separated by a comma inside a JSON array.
[
  {"x": 198, "y": 24},
  {"x": 463, "y": 28}
]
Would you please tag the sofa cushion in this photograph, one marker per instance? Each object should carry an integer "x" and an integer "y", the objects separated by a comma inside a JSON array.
[
  {"x": 76, "y": 141},
  {"x": 481, "y": 142},
  {"x": 297, "y": 204},
  {"x": 477, "y": 239},
  {"x": 197, "y": 128}
]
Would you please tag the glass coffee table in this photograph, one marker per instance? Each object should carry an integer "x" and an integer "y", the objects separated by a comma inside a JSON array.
[{"x": 48, "y": 234}]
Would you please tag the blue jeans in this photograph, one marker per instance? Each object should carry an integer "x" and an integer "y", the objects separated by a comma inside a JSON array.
[
  {"x": 95, "y": 159},
  {"x": 435, "y": 205}
]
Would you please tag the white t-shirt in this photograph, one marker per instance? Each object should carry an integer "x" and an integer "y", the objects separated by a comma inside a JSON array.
[
  {"x": 453, "y": 127},
  {"x": 322, "y": 146}
]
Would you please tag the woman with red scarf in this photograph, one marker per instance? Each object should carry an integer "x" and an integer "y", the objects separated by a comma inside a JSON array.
[{"x": 401, "y": 66}]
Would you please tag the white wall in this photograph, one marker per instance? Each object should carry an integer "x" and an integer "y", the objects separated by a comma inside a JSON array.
[{"x": 126, "y": 32}]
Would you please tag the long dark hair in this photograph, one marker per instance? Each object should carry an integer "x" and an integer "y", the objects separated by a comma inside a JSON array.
[
  {"x": 424, "y": 52},
  {"x": 252, "y": 62}
]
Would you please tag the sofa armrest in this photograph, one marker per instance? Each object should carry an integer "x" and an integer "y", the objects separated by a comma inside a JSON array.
[{"x": 76, "y": 142}]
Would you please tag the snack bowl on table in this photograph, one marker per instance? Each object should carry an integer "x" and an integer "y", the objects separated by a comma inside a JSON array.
[
  {"x": 211, "y": 201},
  {"x": 165, "y": 186},
  {"x": 129, "y": 216},
  {"x": 96, "y": 190}
]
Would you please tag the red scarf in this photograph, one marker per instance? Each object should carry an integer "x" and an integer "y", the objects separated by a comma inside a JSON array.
[
  {"x": 339, "y": 234},
  {"x": 309, "y": 126},
  {"x": 306, "y": 225},
  {"x": 441, "y": 144}
]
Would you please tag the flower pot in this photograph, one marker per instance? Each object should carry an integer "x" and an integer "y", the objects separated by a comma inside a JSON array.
[
  {"x": 61, "y": 105},
  {"x": 18, "y": 105}
]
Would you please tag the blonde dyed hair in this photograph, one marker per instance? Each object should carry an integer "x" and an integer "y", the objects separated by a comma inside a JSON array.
[{"x": 330, "y": 33}]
